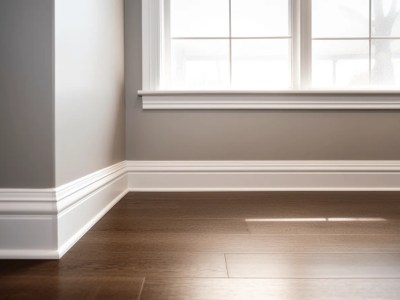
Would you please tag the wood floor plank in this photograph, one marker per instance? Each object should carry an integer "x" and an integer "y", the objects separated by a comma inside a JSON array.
[
  {"x": 338, "y": 196},
  {"x": 130, "y": 264},
  {"x": 123, "y": 242},
  {"x": 313, "y": 265},
  {"x": 185, "y": 244},
  {"x": 242, "y": 212},
  {"x": 258, "y": 205},
  {"x": 307, "y": 226},
  {"x": 265, "y": 289},
  {"x": 156, "y": 225},
  {"x": 77, "y": 287},
  {"x": 349, "y": 226}
]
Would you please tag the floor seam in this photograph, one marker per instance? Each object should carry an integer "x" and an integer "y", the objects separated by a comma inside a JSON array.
[
  {"x": 226, "y": 266},
  {"x": 141, "y": 289}
]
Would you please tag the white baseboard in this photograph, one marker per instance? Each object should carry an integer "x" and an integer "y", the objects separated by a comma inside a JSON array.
[
  {"x": 76, "y": 221},
  {"x": 29, "y": 254},
  {"x": 28, "y": 236},
  {"x": 69, "y": 243},
  {"x": 264, "y": 175},
  {"x": 46, "y": 223}
]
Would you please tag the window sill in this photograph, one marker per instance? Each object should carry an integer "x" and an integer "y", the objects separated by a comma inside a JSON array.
[{"x": 287, "y": 99}]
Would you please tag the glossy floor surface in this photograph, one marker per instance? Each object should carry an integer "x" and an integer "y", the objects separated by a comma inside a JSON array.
[{"x": 214, "y": 246}]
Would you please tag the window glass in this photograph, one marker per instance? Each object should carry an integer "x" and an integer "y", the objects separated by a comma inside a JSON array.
[
  {"x": 260, "y": 18},
  {"x": 386, "y": 18},
  {"x": 228, "y": 44},
  {"x": 340, "y": 18},
  {"x": 385, "y": 71},
  {"x": 340, "y": 64},
  {"x": 248, "y": 44},
  {"x": 261, "y": 64},
  {"x": 199, "y": 18},
  {"x": 200, "y": 64}
]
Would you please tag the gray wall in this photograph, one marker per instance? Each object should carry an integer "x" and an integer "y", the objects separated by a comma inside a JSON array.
[
  {"x": 26, "y": 94},
  {"x": 248, "y": 135},
  {"x": 90, "y": 123}
]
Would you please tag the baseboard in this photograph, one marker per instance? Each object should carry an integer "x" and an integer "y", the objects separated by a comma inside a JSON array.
[
  {"x": 74, "y": 224},
  {"x": 46, "y": 223},
  {"x": 264, "y": 175},
  {"x": 29, "y": 254},
  {"x": 28, "y": 236}
]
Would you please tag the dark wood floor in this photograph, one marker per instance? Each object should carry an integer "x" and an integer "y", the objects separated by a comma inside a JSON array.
[{"x": 214, "y": 246}]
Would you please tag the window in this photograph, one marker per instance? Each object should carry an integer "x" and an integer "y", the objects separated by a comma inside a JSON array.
[
  {"x": 237, "y": 44},
  {"x": 251, "y": 45},
  {"x": 355, "y": 44}
]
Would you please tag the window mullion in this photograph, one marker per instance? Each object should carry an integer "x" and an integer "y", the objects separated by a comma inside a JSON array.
[
  {"x": 230, "y": 43},
  {"x": 166, "y": 45},
  {"x": 370, "y": 42},
  {"x": 295, "y": 36},
  {"x": 305, "y": 68},
  {"x": 152, "y": 27}
]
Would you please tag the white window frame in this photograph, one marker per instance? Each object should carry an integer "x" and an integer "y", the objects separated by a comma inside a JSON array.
[{"x": 299, "y": 97}]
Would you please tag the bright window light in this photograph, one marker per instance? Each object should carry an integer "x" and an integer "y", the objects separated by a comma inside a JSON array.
[
  {"x": 255, "y": 45},
  {"x": 260, "y": 18},
  {"x": 286, "y": 220},
  {"x": 227, "y": 44},
  {"x": 199, "y": 18},
  {"x": 340, "y": 18},
  {"x": 355, "y": 44}
]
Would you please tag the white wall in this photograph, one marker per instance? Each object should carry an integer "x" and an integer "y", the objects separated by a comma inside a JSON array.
[
  {"x": 62, "y": 127},
  {"x": 89, "y": 95}
]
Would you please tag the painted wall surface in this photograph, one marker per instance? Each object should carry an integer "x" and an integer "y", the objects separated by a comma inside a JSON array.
[
  {"x": 248, "y": 135},
  {"x": 90, "y": 123},
  {"x": 26, "y": 94}
]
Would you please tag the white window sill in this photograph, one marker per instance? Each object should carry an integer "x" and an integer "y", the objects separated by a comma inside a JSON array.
[{"x": 287, "y": 99}]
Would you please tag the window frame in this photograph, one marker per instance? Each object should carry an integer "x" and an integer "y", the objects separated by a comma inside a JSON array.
[
  {"x": 153, "y": 45},
  {"x": 168, "y": 39}
]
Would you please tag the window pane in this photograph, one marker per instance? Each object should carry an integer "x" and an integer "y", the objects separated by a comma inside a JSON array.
[
  {"x": 199, "y": 18},
  {"x": 260, "y": 18},
  {"x": 385, "y": 18},
  {"x": 200, "y": 64},
  {"x": 386, "y": 63},
  {"x": 340, "y": 18},
  {"x": 261, "y": 64},
  {"x": 342, "y": 64}
]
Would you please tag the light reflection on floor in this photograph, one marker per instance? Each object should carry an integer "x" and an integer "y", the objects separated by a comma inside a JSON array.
[{"x": 317, "y": 220}]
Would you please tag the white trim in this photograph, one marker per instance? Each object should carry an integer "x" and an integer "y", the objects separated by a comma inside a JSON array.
[
  {"x": 65, "y": 246},
  {"x": 265, "y": 166},
  {"x": 44, "y": 195},
  {"x": 342, "y": 100},
  {"x": 264, "y": 175},
  {"x": 68, "y": 194},
  {"x": 305, "y": 48},
  {"x": 152, "y": 18},
  {"x": 295, "y": 19},
  {"x": 28, "y": 201},
  {"x": 309, "y": 92},
  {"x": 46, "y": 223},
  {"x": 54, "y": 201},
  {"x": 29, "y": 254}
]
